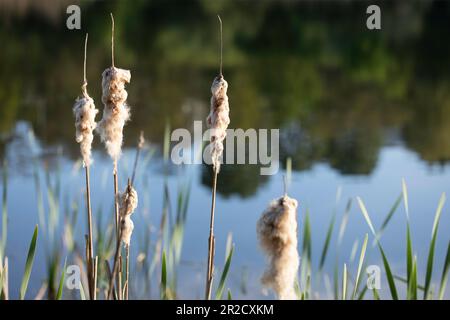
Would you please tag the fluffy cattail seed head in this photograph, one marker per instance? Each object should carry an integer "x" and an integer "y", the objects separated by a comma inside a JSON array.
[
  {"x": 116, "y": 112},
  {"x": 218, "y": 119},
  {"x": 277, "y": 234},
  {"x": 127, "y": 227},
  {"x": 84, "y": 111},
  {"x": 128, "y": 201}
]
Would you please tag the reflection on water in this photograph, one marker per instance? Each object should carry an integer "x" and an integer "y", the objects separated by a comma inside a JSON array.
[{"x": 342, "y": 96}]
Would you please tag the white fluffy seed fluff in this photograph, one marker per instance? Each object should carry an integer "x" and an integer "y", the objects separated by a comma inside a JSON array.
[
  {"x": 128, "y": 202},
  {"x": 116, "y": 112},
  {"x": 218, "y": 119},
  {"x": 277, "y": 234},
  {"x": 127, "y": 226},
  {"x": 84, "y": 111}
]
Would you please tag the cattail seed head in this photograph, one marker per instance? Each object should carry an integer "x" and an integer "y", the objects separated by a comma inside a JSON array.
[
  {"x": 84, "y": 111},
  {"x": 116, "y": 112},
  {"x": 128, "y": 202},
  {"x": 218, "y": 119},
  {"x": 277, "y": 234},
  {"x": 127, "y": 227}
]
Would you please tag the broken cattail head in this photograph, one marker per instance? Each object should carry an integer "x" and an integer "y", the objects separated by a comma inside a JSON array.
[
  {"x": 128, "y": 201},
  {"x": 277, "y": 234}
]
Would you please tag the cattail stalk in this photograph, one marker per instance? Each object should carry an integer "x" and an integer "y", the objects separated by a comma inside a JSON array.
[
  {"x": 85, "y": 112},
  {"x": 127, "y": 226},
  {"x": 128, "y": 204},
  {"x": 277, "y": 234},
  {"x": 218, "y": 120},
  {"x": 115, "y": 114}
]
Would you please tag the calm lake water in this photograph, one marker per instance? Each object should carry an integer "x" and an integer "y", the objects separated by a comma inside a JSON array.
[{"x": 357, "y": 110}]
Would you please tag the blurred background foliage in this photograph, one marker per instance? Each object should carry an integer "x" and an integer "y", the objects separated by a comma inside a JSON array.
[{"x": 338, "y": 91}]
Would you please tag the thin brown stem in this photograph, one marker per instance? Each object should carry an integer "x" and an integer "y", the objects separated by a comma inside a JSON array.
[
  {"x": 112, "y": 40},
  {"x": 221, "y": 44},
  {"x": 117, "y": 257},
  {"x": 116, "y": 198},
  {"x": 127, "y": 271},
  {"x": 85, "y": 58},
  {"x": 114, "y": 272},
  {"x": 90, "y": 251},
  {"x": 117, "y": 219},
  {"x": 111, "y": 291},
  {"x": 211, "y": 242},
  {"x": 95, "y": 264},
  {"x": 139, "y": 146},
  {"x": 285, "y": 185}
]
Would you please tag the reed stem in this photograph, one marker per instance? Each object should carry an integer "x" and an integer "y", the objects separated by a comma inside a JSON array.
[
  {"x": 90, "y": 250},
  {"x": 118, "y": 258},
  {"x": 127, "y": 271},
  {"x": 112, "y": 39},
  {"x": 117, "y": 220},
  {"x": 211, "y": 242},
  {"x": 114, "y": 272}
]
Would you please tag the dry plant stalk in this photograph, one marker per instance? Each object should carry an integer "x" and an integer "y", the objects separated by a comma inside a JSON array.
[
  {"x": 128, "y": 202},
  {"x": 277, "y": 234},
  {"x": 218, "y": 120},
  {"x": 115, "y": 114},
  {"x": 85, "y": 112}
]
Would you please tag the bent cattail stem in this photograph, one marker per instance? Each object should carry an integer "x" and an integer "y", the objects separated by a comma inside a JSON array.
[
  {"x": 218, "y": 121},
  {"x": 84, "y": 111},
  {"x": 277, "y": 234}
]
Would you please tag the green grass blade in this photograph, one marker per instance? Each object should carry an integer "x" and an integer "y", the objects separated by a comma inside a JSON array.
[
  {"x": 306, "y": 250},
  {"x": 336, "y": 281},
  {"x": 4, "y": 211},
  {"x": 61, "y": 281},
  {"x": 433, "y": 245},
  {"x": 409, "y": 253},
  {"x": 82, "y": 294},
  {"x": 229, "y": 297},
  {"x": 362, "y": 293},
  {"x": 163, "y": 277},
  {"x": 401, "y": 279},
  {"x": 2, "y": 278},
  {"x": 29, "y": 264},
  {"x": 361, "y": 261},
  {"x": 344, "y": 221},
  {"x": 389, "y": 275},
  {"x": 376, "y": 296},
  {"x": 223, "y": 277},
  {"x": 445, "y": 273},
  {"x": 344, "y": 283},
  {"x": 366, "y": 215},
  {"x": 412, "y": 285},
  {"x": 388, "y": 217},
  {"x": 405, "y": 198},
  {"x": 327, "y": 242}
]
